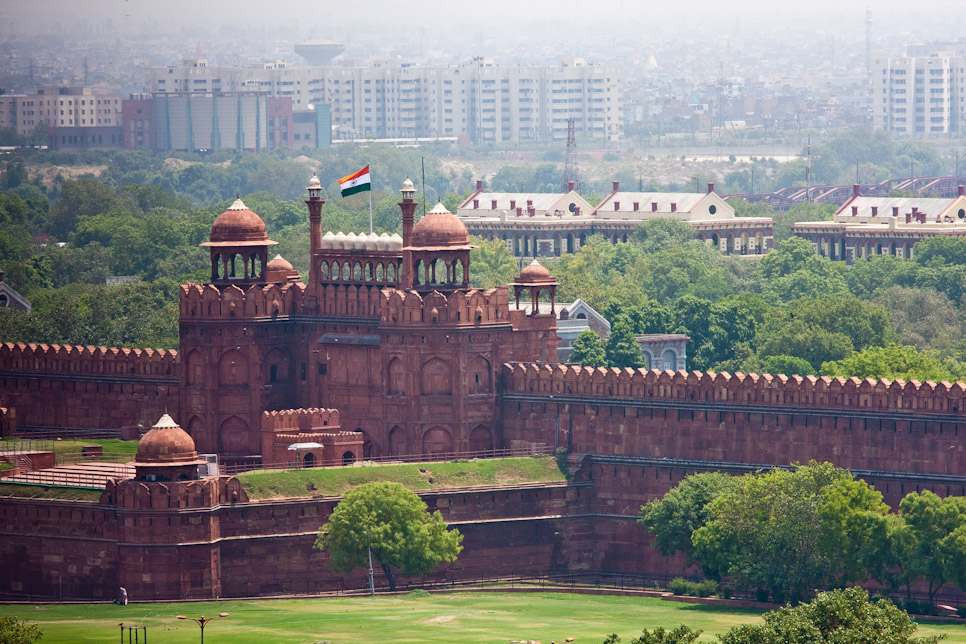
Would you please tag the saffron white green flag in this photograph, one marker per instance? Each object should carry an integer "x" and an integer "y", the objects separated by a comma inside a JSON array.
[{"x": 355, "y": 182}]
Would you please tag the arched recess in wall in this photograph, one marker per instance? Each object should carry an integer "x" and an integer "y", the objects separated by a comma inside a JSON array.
[
  {"x": 435, "y": 378},
  {"x": 396, "y": 377},
  {"x": 276, "y": 367},
  {"x": 481, "y": 439},
  {"x": 478, "y": 376},
  {"x": 195, "y": 368},
  {"x": 398, "y": 445},
  {"x": 233, "y": 368},
  {"x": 437, "y": 440},
  {"x": 370, "y": 448},
  {"x": 196, "y": 429},
  {"x": 233, "y": 437},
  {"x": 669, "y": 360}
]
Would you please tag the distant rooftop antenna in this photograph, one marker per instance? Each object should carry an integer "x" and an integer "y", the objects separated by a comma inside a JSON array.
[
  {"x": 808, "y": 170},
  {"x": 570, "y": 172}
]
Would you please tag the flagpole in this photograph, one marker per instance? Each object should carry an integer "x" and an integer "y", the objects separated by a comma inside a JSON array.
[{"x": 370, "y": 200}]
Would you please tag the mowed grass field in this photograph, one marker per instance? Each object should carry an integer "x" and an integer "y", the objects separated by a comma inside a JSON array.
[
  {"x": 270, "y": 484},
  {"x": 468, "y": 618}
]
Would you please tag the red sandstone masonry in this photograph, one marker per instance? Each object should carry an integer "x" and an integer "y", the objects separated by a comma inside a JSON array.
[
  {"x": 86, "y": 386},
  {"x": 108, "y": 361},
  {"x": 778, "y": 391},
  {"x": 389, "y": 305}
]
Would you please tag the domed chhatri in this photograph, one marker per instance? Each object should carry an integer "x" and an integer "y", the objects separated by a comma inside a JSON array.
[
  {"x": 534, "y": 272},
  {"x": 238, "y": 226},
  {"x": 440, "y": 229},
  {"x": 535, "y": 278},
  {"x": 279, "y": 269},
  {"x": 167, "y": 453},
  {"x": 238, "y": 236}
]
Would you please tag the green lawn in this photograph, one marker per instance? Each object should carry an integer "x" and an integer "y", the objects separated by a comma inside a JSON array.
[
  {"x": 268, "y": 484},
  {"x": 112, "y": 446},
  {"x": 468, "y": 618}
]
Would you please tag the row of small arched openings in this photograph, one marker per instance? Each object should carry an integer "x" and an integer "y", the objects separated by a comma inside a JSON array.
[
  {"x": 439, "y": 271},
  {"x": 386, "y": 273}
]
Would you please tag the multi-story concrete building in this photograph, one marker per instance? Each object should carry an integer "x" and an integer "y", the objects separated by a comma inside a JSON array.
[
  {"x": 56, "y": 106},
  {"x": 919, "y": 95},
  {"x": 547, "y": 224},
  {"x": 479, "y": 100}
]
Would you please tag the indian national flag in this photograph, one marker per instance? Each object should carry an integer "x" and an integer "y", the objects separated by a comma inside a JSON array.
[{"x": 355, "y": 182}]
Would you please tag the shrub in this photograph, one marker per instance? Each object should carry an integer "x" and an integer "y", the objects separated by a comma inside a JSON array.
[
  {"x": 706, "y": 588},
  {"x": 679, "y": 586},
  {"x": 961, "y": 610}
]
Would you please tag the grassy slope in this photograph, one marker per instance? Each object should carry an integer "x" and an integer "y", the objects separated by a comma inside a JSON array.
[
  {"x": 44, "y": 492},
  {"x": 70, "y": 446},
  {"x": 468, "y": 618},
  {"x": 268, "y": 484}
]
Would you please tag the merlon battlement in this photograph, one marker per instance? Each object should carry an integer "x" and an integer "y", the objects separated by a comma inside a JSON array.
[
  {"x": 737, "y": 388},
  {"x": 296, "y": 420},
  {"x": 256, "y": 300},
  {"x": 472, "y": 307},
  {"x": 56, "y": 358}
]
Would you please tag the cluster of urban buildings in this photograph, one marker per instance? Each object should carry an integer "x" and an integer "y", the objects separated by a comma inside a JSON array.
[
  {"x": 478, "y": 100},
  {"x": 198, "y": 107},
  {"x": 78, "y": 119}
]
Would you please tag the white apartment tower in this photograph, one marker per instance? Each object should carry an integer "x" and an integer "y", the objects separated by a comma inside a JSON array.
[
  {"x": 485, "y": 102},
  {"x": 920, "y": 95}
]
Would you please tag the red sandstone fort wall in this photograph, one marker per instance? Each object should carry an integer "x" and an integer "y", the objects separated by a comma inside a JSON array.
[
  {"x": 259, "y": 548},
  {"x": 88, "y": 387},
  {"x": 859, "y": 424}
]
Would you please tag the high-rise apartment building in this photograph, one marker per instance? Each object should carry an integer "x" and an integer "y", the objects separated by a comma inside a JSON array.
[
  {"x": 920, "y": 95},
  {"x": 478, "y": 99}
]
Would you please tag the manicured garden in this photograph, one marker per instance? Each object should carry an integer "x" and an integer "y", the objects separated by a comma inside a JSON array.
[{"x": 467, "y": 618}]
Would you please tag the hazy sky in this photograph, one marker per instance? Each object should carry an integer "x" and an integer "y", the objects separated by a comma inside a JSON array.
[{"x": 890, "y": 15}]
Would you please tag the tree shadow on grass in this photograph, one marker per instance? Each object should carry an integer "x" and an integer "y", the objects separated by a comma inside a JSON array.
[{"x": 711, "y": 608}]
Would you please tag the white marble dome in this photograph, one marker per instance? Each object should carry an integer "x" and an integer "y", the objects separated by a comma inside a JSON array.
[
  {"x": 327, "y": 240},
  {"x": 395, "y": 242},
  {"x": 382, "y": 243},
  {"x": 338, "y": 241}
]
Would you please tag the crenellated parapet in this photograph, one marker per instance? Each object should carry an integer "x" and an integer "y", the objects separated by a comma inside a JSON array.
[
  {"x": 206, "y": 493},
  {"x": 56, "y": 359},
  {"x": 737, "y": 389},
  {"x": 296, "y": 420},
  {"x": 308, "y": 437},
  {"x": 246, "y": 301},
  {"x": 469, "y": 308}
]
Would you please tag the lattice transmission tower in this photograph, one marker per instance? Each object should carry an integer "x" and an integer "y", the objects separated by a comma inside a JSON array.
[{"x": 570, "y": 172}]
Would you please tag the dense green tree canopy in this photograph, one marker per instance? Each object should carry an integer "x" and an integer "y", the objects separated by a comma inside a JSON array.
[
  {"x": 836, "y": 617},
  {"x": 791, "y": 531},
  {"x": 589, "y": 350},
  {"x": 673, "y": 518},
  {"x": 393, "y": 522}
]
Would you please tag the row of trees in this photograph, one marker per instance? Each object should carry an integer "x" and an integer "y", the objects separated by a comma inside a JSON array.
[
  {"x": 787, "y": 532},
  {"x": 791, "y": 312}
]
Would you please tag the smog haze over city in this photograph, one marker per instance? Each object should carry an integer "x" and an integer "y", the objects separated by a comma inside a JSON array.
[{"x": 533, "y": 32}]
